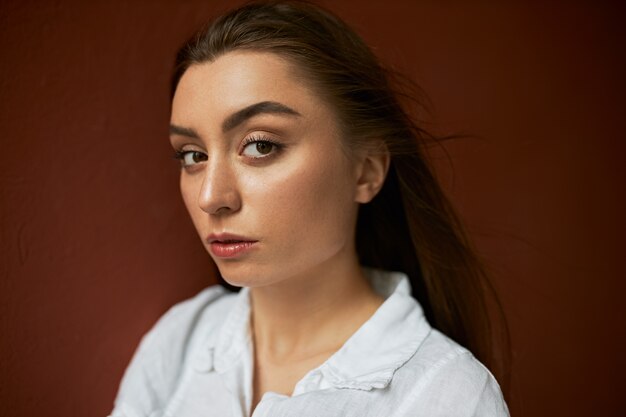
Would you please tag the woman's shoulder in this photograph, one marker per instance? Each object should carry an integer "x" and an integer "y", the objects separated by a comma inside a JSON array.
[
  {"x": 163, "y": 351},
  {"x": 446, "y": 375},
  {"x": 437, "y": 350},
  {"x": 448, "y": 380}
]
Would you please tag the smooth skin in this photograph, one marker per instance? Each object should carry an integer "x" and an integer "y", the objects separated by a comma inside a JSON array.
[{"x": 281, "y": 176}]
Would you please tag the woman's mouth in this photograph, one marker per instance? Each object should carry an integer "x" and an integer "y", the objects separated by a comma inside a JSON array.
[{"x": 229, "y": 246}]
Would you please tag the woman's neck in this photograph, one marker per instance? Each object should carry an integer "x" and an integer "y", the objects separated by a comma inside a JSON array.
[{"x": 311, "y": 314}]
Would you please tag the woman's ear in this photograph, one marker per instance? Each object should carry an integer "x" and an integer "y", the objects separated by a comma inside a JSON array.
[{"x": 372, "y": 171}]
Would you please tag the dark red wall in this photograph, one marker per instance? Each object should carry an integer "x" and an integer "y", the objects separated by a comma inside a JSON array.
[{"x": 95, "y": 243}]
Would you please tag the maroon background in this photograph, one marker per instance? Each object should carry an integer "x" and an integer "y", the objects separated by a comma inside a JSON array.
[{"x": 95, "y": 243}]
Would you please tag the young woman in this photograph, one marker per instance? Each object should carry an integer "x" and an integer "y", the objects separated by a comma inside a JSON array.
[{"x": 305, "y": 180}]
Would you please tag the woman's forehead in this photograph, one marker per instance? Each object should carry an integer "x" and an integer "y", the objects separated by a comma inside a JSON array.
[
  {"x": 244, "y": 73},
  {"x": 240, "y": 79}
]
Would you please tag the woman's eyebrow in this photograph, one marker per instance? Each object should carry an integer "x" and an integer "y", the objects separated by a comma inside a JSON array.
[
  {"x": 263, "y": 107},
  {"x": 183, "y": 131},
  {"x": 235, "y": 119}
]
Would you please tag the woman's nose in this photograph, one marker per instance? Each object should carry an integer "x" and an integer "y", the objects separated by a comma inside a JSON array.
[{"x": 219, "y": 194}]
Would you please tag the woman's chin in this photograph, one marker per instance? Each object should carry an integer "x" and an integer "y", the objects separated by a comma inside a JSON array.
[{"x": 243, "y": 275}]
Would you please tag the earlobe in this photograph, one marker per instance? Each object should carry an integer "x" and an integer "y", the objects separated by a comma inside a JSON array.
[{"x": 373, "y": 171}]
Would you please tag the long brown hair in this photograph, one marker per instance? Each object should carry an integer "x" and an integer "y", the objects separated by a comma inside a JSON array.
[{"x": 410, "y": 225}]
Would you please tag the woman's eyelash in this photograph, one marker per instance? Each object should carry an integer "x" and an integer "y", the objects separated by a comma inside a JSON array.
[
  {"x": 260, "y": 147},
  {"x": 261, "y": 138}
]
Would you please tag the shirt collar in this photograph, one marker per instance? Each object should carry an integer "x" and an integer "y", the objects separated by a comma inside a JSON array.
[
  {"x": 368, "y": 359},
  {"x": 383, "y": 343}
]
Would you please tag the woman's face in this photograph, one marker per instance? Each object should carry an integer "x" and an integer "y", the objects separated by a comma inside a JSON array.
[{"x": 268, "y": 186}]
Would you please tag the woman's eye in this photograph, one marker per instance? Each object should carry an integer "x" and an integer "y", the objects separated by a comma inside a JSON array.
[
  {"x": 189, "y": 158},
  {"x": 258, "y": 149}
]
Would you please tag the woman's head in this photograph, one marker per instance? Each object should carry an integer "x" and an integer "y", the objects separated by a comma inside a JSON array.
[
  {"x": 331, "y": 61},
  {"x": 408, "y": 225},
  {"x": 263, "y": 164}
]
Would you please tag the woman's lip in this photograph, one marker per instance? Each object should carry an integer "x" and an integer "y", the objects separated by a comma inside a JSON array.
[
  {"x": 228, "y": 245},
  {"x": 228, "y": 237},
  {"x": 231, "y": 248}
]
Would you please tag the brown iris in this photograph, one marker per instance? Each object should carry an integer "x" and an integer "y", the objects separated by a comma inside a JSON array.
[
  {"x": 264, "y": 147},
  {"x": 198, "y": 157}
]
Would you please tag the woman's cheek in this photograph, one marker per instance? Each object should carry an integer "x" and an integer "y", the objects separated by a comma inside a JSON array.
[
  {"x": 308, "y": 203},
  {"x": 291, "y": 190}
]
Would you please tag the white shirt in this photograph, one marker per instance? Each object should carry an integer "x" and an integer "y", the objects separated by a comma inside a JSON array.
[{"x": 197, "y": 362}]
